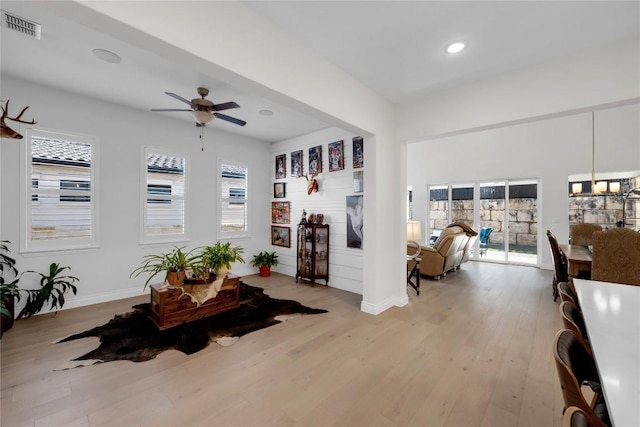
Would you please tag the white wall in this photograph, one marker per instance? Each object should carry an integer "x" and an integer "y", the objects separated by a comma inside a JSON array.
[
  {"x": 104, "y": 273},
  {"x": 549, "y": 149},
  {"x": 345, "y": 264},
  {"x": 278, "y": 67}
]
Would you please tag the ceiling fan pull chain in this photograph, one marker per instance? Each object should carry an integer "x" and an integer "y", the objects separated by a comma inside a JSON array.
[{"x": 201, "y": 139}]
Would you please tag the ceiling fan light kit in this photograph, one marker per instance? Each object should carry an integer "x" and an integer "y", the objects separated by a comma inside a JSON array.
[{"x": 203, "y": 110}]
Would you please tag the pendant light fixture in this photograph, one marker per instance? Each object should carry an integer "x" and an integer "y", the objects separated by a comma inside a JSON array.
[{"x": 596, "y": 187}]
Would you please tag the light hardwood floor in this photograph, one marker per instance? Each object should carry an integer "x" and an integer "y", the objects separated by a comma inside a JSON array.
[{"x": 474, "y": 349}]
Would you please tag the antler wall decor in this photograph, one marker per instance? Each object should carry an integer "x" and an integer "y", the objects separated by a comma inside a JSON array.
[
  {"x": 6, "y": 131},
  {"x": 312, "y": 185}
]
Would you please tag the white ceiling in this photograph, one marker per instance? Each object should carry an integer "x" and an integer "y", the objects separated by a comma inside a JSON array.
[{"x": 395, "y": 48}]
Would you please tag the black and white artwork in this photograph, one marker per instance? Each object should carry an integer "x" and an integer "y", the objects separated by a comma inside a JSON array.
[{"x": 355, "y": 213}]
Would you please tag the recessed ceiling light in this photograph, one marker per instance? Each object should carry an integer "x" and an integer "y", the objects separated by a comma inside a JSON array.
[
  {"x": 265, "y": 112},
  {"x": 456, "y": 47},
  {"x": 107, "y": 56}
]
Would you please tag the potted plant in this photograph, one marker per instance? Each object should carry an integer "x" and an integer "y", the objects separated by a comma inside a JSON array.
[
  {"x": 219, "y": 257},
  {"x": 53, "y": 286},
  {"x": 173, "y": 264},
  {"x": 9, "y": 290},
  {"x": 264, "y": 261}
]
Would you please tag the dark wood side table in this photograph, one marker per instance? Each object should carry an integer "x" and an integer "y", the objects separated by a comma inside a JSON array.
[{"x": 413, "y": 273}]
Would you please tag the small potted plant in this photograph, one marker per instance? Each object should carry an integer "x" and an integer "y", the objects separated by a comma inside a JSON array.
[
  {"x": 173, "y": 264},
  {"x": 264, "y": 261},
  {"x": 219, "y": 257}
]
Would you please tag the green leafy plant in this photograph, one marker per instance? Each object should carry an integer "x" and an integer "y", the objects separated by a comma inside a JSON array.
[
  {"x": 174, "y": 261},
  {"x": 53, "y": 286},
  {"x": 220, "y": 255},
  {"x": 8, "y": 289},
  {"x": 265, "y": 259}
]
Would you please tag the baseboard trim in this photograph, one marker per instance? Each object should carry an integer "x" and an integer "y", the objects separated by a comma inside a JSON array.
[{"x": 375, "y": 309}]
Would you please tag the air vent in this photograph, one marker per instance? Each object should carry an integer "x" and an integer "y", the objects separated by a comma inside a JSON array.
[{"x": 21, "y": 25}]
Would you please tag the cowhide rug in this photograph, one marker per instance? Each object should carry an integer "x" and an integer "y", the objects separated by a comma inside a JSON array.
[{"x": 133, "y": 335}]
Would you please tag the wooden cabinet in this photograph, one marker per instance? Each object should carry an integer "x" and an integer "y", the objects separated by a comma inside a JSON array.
[{"x": 313, "y": 253}]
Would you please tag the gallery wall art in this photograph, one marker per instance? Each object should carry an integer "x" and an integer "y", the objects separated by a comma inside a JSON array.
[
  {"x": 296, "y": 164},
  {"x": 315, "y": 160},
  {"x": 281, "y": 166},
  {"x": 280, "y": 212},
  {"x": 336, "y": 156},
  {"x": 358, "y": 152}
]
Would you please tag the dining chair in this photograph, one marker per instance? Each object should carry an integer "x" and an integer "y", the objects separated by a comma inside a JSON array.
[
  {"x": 582, "y": 234},
  {"x": 567, "y": 293},
  {"x": 576, "y": 417},
  {"x": 573, "y": 320},
  {"x": 560, "y": 264},
  {"x": 575, "y": 367},
  {"x": 616, "y": 256}
]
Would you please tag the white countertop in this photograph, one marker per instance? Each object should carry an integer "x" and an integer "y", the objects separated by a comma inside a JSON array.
[{"x": 612, "y": 315}]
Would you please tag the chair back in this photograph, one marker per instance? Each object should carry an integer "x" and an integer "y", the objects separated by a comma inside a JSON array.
[
  {"x": 576, "y": 366},
  {"x": 576, "y": 417},
  {"x": 485, "y": 232},
  {"x": 560, "y": 264},
  {"x": 616, "y": 256},
  {"x": 568, "y": 294},
  {"x": 573, "y": 320},
  {"x": 582, "y": 234}
]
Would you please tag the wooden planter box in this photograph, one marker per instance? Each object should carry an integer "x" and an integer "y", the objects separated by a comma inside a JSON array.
[{"x": 168, "y": 309}]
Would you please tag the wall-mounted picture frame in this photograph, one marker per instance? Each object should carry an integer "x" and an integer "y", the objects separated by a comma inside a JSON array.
[
  {"x": 336, "y": 156},
  {"x": 355, "y": 214},
  {"x": 281, "y": 166},
  {"x": 315, "y": 160},
  {"x": 280, "y": 212},
  {"x": 279, "y": 190},
  {"x": 296, "y": 164},
  {"x": 358, "y": 152},
  {"x": 281, "y": 236},
  {"x": 358, "y": 181}
]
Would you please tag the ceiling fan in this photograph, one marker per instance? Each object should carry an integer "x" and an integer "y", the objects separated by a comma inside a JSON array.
[{"x": 204, "y": 110}]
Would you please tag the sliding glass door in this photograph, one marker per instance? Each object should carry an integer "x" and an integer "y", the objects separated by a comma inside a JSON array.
[{"x": 504, "y": 213}]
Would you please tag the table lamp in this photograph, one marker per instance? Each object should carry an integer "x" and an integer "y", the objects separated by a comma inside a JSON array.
[{"x": 414, "y": 233}]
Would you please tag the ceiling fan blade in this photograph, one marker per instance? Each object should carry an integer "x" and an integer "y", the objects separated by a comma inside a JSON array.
[
  {"x": 179, "y": 98},
  {"x": 168, "y": 109},
  {"x": 230, "y": 119},
  {"x": 225, "y": 106}
]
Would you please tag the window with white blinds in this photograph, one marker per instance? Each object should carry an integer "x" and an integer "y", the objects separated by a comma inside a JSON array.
[
  {"x": 60, "y": 192},
  {"x": 233, "y": 199},
  {"x": 164, "y": 205}
]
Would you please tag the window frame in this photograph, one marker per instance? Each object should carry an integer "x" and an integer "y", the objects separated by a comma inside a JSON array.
[
  {"x": 27, "y": 203},
  {"x": 150, "y": 239},
  {"x": 221, "y": 234}
]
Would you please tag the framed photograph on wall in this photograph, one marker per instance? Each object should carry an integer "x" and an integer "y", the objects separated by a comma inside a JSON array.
[
  {"x": 279, "y": 190},
  {"x": 336, "y": 156},
  {"x": 358, "y": 153},
  {"x": 280, "y": 212},
  {"x": 315, "y": 160},
  {"x": 281, "y": 166},
  {"x": 296, "y": 164},
  {"x": 281, "y": 236},
  {"x": 358, "y": 179},
  {"x": 355, "y": 211}
]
